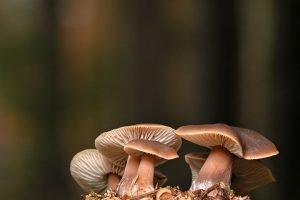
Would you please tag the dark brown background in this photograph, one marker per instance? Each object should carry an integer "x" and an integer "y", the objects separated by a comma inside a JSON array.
[{"x": 70, "y": 70}]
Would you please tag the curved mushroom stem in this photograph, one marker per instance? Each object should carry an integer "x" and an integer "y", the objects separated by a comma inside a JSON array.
[
  {"x": 145, "y": 175},
  {"x": 112, "y": 181},
  {"x": 129, "y": 174},
  {"x": 216, "y": 169}
]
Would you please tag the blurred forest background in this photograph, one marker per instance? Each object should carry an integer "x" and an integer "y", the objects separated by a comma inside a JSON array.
[{"x": 72, "y": 69}]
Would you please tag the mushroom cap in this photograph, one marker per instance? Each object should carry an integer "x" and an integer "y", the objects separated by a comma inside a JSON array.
[
  {"x": 90, "y": 168},
  {"x": 249, "y": 174},
  {"x": 246, "y": 174},
  {"x": 244, "y": 143},
  {"x": 111, "y": 143},
  {"x": 139, "y": 147}
]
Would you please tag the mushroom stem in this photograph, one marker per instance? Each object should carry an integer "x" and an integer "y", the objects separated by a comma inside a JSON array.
[
  {"x": 112, "y": 181},
  {"x": 129, "y": 174},
  {"x": 145, "y": 175},
  {"x": 216, "y": 169}
]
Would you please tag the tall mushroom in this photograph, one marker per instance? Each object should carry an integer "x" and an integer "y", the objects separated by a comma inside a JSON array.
[
  {"x": 225, "y": 142},
  {"x": 93, "y": 172},
  {"x": 246, "y": 174},
  {"x": 111, "y": 144},
  {"x": 150, "y": 153}
]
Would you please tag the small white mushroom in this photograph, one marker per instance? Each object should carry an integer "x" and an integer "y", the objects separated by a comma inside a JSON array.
[{"x": 93, "y": 172}]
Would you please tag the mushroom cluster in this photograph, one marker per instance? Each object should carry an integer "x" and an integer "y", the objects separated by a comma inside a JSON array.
[{"x": 125, "y": 158}]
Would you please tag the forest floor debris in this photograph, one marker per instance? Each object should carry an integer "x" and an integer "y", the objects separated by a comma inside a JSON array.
[{"x": 216, "y": 192}]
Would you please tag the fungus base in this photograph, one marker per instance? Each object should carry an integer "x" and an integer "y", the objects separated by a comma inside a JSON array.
[{"x": 216, "y": 192}]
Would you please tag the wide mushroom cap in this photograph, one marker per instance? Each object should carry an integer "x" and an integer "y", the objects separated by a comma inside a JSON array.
[
  {"x": 90, "y": 168},
  {"x": 246, "y": 174},
  {"x": 111, "y": 143},
  {"x": 244, "y": 143}
]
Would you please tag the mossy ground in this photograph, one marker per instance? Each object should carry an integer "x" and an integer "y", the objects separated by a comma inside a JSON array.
[{"x": 216, "y": 192}]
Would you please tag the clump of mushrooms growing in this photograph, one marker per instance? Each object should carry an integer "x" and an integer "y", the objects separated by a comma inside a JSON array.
[
  {"x": 94, "y": 173},
  {"x": 124, "y": 161},
  {"x": 112, "y": 144}
]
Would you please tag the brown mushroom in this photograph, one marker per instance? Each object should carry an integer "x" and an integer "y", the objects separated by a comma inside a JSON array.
[
  {"x": 111, "y": 144},
  {"x": 225, "y": 142},
  {"x": 150, "y": 152},
  {"x": 246, "y": 174},
  {"x": 93, "y": 172}
]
